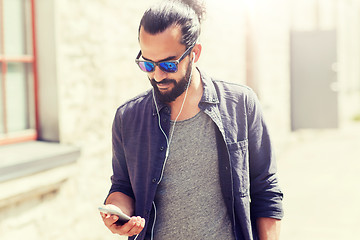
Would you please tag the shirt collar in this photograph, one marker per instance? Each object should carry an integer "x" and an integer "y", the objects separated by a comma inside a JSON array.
[
  {"x": 160, "y": 105},
  {"x": 209, "y": 94}
]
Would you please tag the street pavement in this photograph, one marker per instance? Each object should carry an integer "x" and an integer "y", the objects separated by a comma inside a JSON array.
[{"x": 319, "y": 172}]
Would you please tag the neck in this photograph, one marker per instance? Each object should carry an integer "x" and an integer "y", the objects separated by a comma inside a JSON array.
[{"x": 194, "y": 94}]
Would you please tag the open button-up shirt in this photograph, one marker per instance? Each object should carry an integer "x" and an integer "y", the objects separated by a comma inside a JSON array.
[{"x": 247, "y": 167}]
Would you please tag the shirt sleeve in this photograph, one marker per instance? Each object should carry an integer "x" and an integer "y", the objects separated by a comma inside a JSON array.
[
  {"x": 266, "y": 196},
  {"x": 120, "y": 179}
]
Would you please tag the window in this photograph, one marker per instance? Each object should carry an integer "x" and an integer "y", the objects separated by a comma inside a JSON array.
[
  {"x": 18, "y": 78},
  {"x": 20, "y": 99}
]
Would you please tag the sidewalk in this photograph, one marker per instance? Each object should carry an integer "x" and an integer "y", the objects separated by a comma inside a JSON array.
[{"x": 320, "y": 177}]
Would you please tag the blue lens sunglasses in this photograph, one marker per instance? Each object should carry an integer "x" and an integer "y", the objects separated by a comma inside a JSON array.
[{"x": 166, "y": 66}]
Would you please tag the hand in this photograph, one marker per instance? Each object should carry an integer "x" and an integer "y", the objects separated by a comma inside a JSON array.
[{"x": 133, "y": 227}]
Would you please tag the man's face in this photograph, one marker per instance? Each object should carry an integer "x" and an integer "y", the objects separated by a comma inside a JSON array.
[
  {"x": 161, "y": 47},
  {"x": 178, "y": 86}
]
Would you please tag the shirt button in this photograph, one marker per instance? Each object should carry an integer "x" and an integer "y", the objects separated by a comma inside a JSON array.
[
  {"x": 162, "y": 148},
  {"x": 153, "y": 180}
]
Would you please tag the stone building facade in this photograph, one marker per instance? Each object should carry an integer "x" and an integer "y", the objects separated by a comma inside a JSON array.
[{"x": 86, "y": 70}]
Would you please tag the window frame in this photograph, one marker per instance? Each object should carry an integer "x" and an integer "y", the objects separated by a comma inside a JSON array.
[{"x": 27, "y": 134}]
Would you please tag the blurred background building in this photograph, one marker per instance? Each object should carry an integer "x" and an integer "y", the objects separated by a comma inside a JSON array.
[{"x": 66, "y": 65}]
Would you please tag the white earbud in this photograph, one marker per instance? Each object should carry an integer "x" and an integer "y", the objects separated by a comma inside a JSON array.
[{"x": 193, "y": 60}]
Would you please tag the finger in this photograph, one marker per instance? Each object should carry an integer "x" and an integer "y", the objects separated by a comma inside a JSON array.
[
  {"x": 142, "y": 222},
  {"x": 139, "y": 224},
  {"x": 126, "y": 228},
  {"x": 109, "y": 220},
  {"x": 132, "y": 227},
  {"x": 114, "y": 228},
  {"x": 103, "y": 215}
]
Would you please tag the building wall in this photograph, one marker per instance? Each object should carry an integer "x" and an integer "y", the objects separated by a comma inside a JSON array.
[
  {"x": 268, "y": 26},
  {"x": 348, "y": 21},
  {"x": 96, "y": 44},
  {"x": 342, "y": 16}
]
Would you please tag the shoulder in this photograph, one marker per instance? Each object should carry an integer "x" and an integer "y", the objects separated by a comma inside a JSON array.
[
  {"x": 234, "y": 88},
  {"x": 136, "y": 103},
  {"x": 229, "y": 95},
  {"x": 234, "y": 91},
  {"x": 235, "y": 96},
  {"x": 225, "y": 88}
]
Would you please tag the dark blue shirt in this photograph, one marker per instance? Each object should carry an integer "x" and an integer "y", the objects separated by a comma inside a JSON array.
[{"x": 247, "y": 167}]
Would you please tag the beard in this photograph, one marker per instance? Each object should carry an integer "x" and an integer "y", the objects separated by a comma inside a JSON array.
[{"x": 178, "y": 89}]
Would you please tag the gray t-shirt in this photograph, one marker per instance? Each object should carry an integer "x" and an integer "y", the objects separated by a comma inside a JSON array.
[{"x": 189, "y": 201}]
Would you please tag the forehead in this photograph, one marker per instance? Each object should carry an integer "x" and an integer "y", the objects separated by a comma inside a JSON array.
[{"x": 161, "y": 45}]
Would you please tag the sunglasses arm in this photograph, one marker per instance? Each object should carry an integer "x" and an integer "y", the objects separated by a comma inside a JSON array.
[{"x": 138, "y": 56}]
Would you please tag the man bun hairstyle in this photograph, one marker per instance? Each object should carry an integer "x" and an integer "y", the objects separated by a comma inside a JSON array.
[
  {"x": 187, "y": 14},
  {"x": 198, "y": 6}
]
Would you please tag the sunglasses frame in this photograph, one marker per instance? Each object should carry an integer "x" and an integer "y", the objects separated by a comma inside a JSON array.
[{"x": 176, "y": 62}]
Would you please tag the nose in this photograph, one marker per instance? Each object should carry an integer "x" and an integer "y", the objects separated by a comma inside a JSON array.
[{"x": 159, "y": 75}]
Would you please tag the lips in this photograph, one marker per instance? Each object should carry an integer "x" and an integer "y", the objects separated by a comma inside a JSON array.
[{"x": 163, "y": 86}]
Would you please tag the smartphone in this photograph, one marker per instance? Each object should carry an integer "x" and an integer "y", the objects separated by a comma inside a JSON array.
[{"x": 123, "y": 218}]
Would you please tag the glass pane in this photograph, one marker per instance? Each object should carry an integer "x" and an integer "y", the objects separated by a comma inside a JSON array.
[
  {"x": 16, "y": 97},
  {"x": 30, "y": 96},
  {"x": 1, "y": 102},
  {"x": 14, "y": 27},
  {"x": 28, "y": 27}
]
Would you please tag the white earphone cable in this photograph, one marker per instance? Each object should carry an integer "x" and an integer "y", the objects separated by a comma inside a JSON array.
[{"x": 168, "y": 140}]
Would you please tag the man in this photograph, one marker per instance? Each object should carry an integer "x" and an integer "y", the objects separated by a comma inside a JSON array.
[{"x": 192, "y": 157}]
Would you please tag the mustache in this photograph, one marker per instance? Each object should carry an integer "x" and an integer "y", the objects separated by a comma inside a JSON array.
[{"x": 164, "y": 81}]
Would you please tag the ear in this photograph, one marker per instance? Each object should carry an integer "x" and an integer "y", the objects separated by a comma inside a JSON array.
[{"x": 197, "y": 51}]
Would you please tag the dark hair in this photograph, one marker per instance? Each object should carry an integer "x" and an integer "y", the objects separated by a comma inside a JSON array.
[{"x": 187, "y": 14}]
